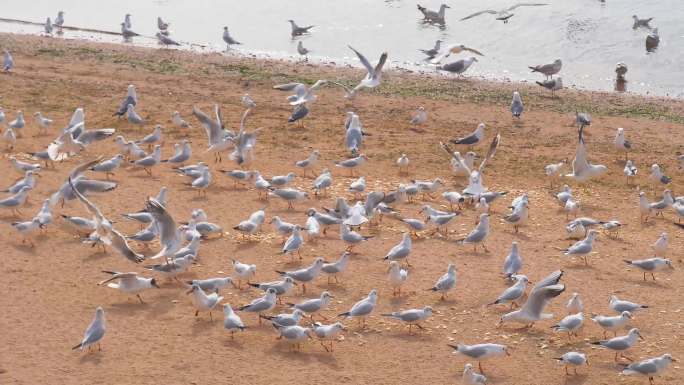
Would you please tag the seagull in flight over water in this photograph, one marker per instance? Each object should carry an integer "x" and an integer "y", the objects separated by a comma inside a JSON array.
[{"x": 503, "y": 14}]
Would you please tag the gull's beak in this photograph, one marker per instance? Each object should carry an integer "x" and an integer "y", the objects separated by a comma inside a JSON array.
[
  {"x": 641, "y": 337},
  {"x": 507, "y": 352},
  {"x": 587, "y": 362},
  {"x": 190, "y": 291},
  {"x": 674, "y": 360}
]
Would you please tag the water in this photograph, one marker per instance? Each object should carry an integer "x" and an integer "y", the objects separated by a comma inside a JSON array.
[{"x": 589, "y": 36}]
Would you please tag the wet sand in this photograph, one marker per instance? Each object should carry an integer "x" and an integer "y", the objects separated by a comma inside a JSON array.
[{"x": 51, "y": 292}]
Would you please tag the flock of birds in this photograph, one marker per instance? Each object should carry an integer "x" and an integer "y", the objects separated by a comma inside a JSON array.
[
  {"x": 435, "y": 55},
  {"x": 179, "y": 244}
]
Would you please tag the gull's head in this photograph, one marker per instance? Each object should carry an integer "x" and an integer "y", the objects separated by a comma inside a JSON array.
[
  {"x": 319, "y": 261},
  {"x": 592, "y": 234},
  {"x": 635, "y": 17},
  {"x": 516, "y": 96},
  {"x": 326, "y": 295},
  {"x": 472, "y": 58},
  {"x": 635, "y": 332},
  {"x": 60, "y": 13},
  {"x": 451, "y": 268},
  {"x": 620, "y": 130},
  {"x": 271, "y": 291},
  {"x": 37, "y": 114},
  {"x": 468, "y": 368},
  {"x": 289, "y": 280},
  {"x": 669, "y": 264},
  {"x": 427, "y": 310},
  {"x": 297, "y": 313},
  {"x": 481, "y": 126},
  {"x": 99, "y": 312},
  {"x": 373, "y": 294},
  {"x": 655, "y": 167},
  {"x": 667, "y": 357},
  {"x": 625, "y": 314}
]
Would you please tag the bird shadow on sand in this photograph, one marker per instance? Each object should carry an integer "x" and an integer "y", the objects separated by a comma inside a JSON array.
[
  {"x": 24, "y": 248},
  {"x": 234, "y": 343},
  {"x": 130, "y": 306},
  {"x": 401, "y": 333},
  {"x": 307, "y": 354},
  {"x": 96, "y": 256},
  {"x": 202, "y": 324},
  {"x": 91, "y": 357}
]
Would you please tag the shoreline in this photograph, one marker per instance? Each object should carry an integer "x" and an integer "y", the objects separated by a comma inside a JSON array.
[{"x": 396, "y": 81}]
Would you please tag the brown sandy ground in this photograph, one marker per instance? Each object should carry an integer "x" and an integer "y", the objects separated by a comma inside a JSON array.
[{"x": 49, "y": 292}]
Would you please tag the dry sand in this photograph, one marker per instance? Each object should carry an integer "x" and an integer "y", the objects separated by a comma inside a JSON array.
[{"x": 50, "y": 291}]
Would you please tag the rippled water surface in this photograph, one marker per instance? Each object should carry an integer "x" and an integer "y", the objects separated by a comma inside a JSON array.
[{"x": 589, "y": 36}]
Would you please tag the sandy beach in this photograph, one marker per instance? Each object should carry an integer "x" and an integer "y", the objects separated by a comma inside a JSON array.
[{"x": 50, "y": 291}]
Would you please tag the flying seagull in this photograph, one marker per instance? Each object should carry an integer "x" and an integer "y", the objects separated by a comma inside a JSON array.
[{"x": 505, "y": 13}]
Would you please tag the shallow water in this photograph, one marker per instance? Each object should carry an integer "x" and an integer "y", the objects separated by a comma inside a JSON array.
[{"x": 589, "y": 36}]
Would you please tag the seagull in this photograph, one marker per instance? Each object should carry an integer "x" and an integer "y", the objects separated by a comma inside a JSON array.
[
  {"x": 419, "y": 117},
  {"x": 454, "y": 49},
  {"x": 228, "y": 39},
  {"x": 652, "y": 40},
  {"x": 582, "y": 119},
  {"x": 327, "y": 333},
  {"x": 582, "y": 248},
  {"x": 612, "y": 323},
  {"x": 297, "y": 30},
  {"x": 285, "y": 319},
  {"x": 572, "y": 358},
  {"x": 335, "y": 268},
  {"x": 553, "y": 85},
  {"x": 43, "y": 122},
  {"x": 516, "y": 105},
  {"x": 165, "y": 40},
  {"x": 231, "y": 321},
  {"x": 352, "y": 163},
  {"x": 514, "y": 292},
  {"x": 202, "y": 300},
  {"x": 397, "y": 277},
  {"x": 95, "y": 331},
  {"x": 373, "y": 74},
  {"x": 163, "y": 26},
  {"x": 504, "y": 14},
  {"x": 513, "y": 262},
  {"x": 295, "y": 334},
  {"x": 432, "y": 16},
  {"x": 660, "y": 245},
  {"x": 290, "y": 195},
  {"x": 518, "y": 217},
  {"x": 7, "y": 61},
  {"x": 281, "y": 287},
  {"x": 622, "y": 144},
  {"x": 127, "y": 21},
  {"x": 131, "y": 98},
  {"x": 133, "y": 116},
  {"x": 619, "y": 305},
  {"x": 663, "y": 204},
  {"x": 411, "y": 317},
  {"x": 621, "y": 71},
  {"x": 650, "y": 367},
  {"x": 621, "y": 343},
  {"x": 127, "y": 32},
  {"x": 351, "y": 238},
  {"x": 59, "y": 20},
  {"x": 313, "y": 306},
  {"x": 362, "y": 308},
  {"x": 480, "y": 352},
  {"x": 26, "y": 229},
  {"x": 470, "y": 377},
  {"x": 18, "y": 123},
  {"x": 641, "y": 22},
  {"x": 307, "y": 274},
  {"x": 243, "y": 271},
  {"x": 474, "y": 138},
  {"x": 657, "y": 175},
  {"x": 29, "y": 180},
  {"x": 252, "y": 224},
  {"x": 432, "y": 52},
  {"x": 108, "y": 166},
  {"x": 322, "y": 182},
  {"x": 582, "y": 170},
  {"x": 261, "y": 304},
  {"x": 553, "y": 171},
  {"x": 650, "y": 265},
  {"x": 574, "y": 304},
  {"x": 570, "y": 324},
  {"x": 479, "y": 234},
  {"x": 48, "y": 26},
  {"x": 308, "y": 163},
  {"x": 548, "y": 70},
  {"x": 459, "y": 66},
  {"x": 129, "y": 283},
  {"x": 630, "y": 170},
  {"x": 532, "y": 310},
  {"x": 446, "y": 282},
  {"x": 169, "y": 235}
]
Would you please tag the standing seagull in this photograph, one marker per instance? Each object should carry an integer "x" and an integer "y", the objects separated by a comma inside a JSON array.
[
  {"x": 94, "y": 332},
  {"x": 459, "y": 66},
  {"x": 131, "y": 98},
  {"x": 622, "y": 144},
  {"x": 373, "y": 75},
  {"x": 228, "y": 39},
  {"x": 297, "y": 30},
  {"x": 432, "y": 16},
  {"x": 363, "y": 308},
  {"x": 432, "y": 52},
  {"x": 516, "y": 105},
  {"x": 8, "y": 62},
  {"x": 650, "y": 367},
  {"x": 301, "y": 50},
  {"x": 505, "y": 13},
  {"x": 548, "y": 69},
  {"x": 553, "y": 85},
  {"x": 472, "y": 139}
]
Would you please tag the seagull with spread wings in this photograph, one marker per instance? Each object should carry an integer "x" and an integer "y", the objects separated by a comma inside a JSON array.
[
  {"x": 475, "y": 186},
  {"x": 373, "y": 75},
  {"x": 104, "y": 230},
  {"x": 503, "y": 14},
  {"x": 582, "y": 170},
  {"x": 170, "y": 236}
]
